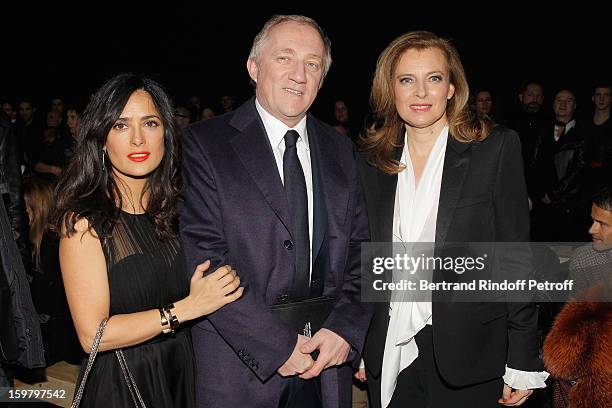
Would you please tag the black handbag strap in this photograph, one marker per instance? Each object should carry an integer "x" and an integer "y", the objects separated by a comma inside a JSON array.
[{"x": 127, "y": 375}]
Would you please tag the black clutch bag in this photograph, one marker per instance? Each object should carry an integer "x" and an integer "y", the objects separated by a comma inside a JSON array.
[{"x": 307, "y": 316}]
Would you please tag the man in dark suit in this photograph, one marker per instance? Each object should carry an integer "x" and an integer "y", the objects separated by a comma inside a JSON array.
[
  {"x": 561, "y": 162},
  {"x": 275, "y": 193}
]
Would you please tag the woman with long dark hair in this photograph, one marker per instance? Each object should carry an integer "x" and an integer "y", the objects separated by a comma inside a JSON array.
[{"x": 120, "y": 255}]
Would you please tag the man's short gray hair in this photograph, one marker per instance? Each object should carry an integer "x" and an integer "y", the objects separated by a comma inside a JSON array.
[{"x": 262, "y": 36}]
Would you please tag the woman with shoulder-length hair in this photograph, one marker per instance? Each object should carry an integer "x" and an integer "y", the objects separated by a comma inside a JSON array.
[
  {"x": 434, "y": 172},
  {"x": 47, "y": 290},
  {"x": 120, "y": 254}
]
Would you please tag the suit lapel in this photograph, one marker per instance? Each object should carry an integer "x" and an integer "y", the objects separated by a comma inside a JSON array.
[
  {"x": 253, "y": 148},
  {"x": 330, "y": 186},
  {"x": 387, "y": 188},
  {"x": 456, "y": 165}
]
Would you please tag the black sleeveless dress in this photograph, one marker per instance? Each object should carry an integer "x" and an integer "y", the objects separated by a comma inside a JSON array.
[{"x": 144, "y": 273}]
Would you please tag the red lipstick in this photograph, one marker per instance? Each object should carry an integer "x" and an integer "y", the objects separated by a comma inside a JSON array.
[{"x": 139, "y": 156}]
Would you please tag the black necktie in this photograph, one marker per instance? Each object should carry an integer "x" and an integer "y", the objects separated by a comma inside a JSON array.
[
  {"x": 561, "y": 125},
  {"x": 295, "y": 187}
]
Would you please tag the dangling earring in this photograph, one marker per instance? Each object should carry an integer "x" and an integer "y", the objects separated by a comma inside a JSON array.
[{"x": 103, "y": 154}]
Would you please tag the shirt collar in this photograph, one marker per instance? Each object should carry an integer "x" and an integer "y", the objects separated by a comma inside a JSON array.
[
  {"x": 437, "y": 148},
  {"x": 567, "y": 125},
  {"x": 276, "y": 129}
]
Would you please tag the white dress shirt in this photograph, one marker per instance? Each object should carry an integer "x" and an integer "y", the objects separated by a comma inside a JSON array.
[
  {"x": 414, "y": 220},
  {"x": 275, "y": 130}
]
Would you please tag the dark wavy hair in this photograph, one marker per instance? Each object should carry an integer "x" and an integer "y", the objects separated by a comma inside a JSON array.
[{"x": 88, "y": 190}]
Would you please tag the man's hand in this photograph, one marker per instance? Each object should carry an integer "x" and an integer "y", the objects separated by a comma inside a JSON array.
[
  {"x": 333, "y": 350},
  {"x": 514, "y": 398},
  {"x": 298, "y": 362}
]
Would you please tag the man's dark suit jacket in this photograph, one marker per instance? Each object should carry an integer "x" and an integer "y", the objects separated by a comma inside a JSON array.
[
  {"x": 561, "y": 165},
  {"x": 236, "y": 212},
  {"x": 482, "y": 199}
]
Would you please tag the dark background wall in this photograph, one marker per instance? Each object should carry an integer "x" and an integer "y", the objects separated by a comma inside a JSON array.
[{"x": 202, "y": 50}]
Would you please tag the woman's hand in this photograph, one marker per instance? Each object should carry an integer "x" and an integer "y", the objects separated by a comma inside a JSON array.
[
  {"x": 360, "y": 374},
  {"x": 209, "y": 293}
]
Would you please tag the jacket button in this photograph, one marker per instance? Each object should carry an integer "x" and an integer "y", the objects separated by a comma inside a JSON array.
[
  {"x": 283, "y": 298},
  {"x": 288, "y": 245}
]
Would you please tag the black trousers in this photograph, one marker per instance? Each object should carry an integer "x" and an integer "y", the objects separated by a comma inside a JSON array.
[
  {"x": 298, "y": 393},
  {"x": 421, "y": 386}
]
